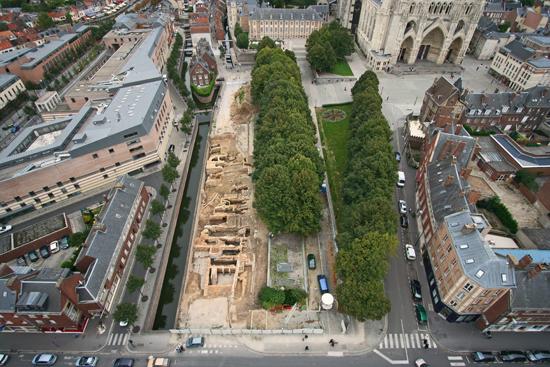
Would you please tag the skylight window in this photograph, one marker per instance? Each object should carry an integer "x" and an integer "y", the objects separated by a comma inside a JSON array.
[
  {"x": 480, "y": 273},
  {"x": 471, "y": 261},
  {"x": 504, "y": 277}
]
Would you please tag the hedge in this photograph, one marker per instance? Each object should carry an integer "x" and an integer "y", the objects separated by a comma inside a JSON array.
[{"x": 495, "y": 206}]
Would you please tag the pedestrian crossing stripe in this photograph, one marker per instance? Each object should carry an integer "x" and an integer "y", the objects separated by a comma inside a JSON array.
[
  {"x": 456, "y": 361},
  {"x": 409, "y": 341},
  {"x": 118, "y": 339}
]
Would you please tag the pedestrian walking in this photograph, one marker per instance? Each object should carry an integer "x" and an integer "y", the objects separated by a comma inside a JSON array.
[{"x": 306, "y": 348}]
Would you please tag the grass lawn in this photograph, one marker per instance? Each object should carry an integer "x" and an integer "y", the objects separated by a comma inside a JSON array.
[
  {"x": 335, "y": 136},
  {"x": 341, "y": 68}
]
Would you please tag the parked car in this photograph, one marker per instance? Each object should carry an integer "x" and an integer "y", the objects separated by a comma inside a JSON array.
[
  {"x": 86, "y": 361},
  {"x": 21, "y": 261},
  {"x": 44, "y": 359},
  {"x": 4, "y": 359},
  {"x": 421, "y": 315},
  {"x": 195, "y": 342},
  {"x": 483, "y": 357},
  {"x": 44, "y": 251},
  {"x": 54, "y": 247},
  {"x": 538, "y": 355},
  {"x": 398, "y": 156},
  {"x": 402, "y": 207},
  {"x": 64, "y": 243},
  {"x": 33, "y": 256},
  {"x": 409, "y": 252},
  {"x": 421, "y": 363},
  {"x": 404, "y": 221},
  {"x": 311, "y": 263},
  {"x": 323, "y": 284},
  {"x": 416, "y": 290},
  {"x": 512, "y": 356},
  {"x": 123, "y": 362},
  {"x": 5, "y": 228}
]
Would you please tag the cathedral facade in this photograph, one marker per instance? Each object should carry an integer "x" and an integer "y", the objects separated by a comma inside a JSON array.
[{"x": 407, "y": 31}]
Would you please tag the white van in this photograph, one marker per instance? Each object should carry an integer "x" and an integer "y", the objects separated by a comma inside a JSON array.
[{"x": 400, "y": 179}]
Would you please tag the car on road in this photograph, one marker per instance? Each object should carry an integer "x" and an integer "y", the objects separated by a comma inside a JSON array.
[
  {"x": 311, "y": 263},
  {"x": 44, "y": 359},
  {"x": 4, "y": 359},
  {"x": 404, "y": 221},
  {"x": 402, "y": 207},
  {"x": 33, "y": 256},
  {"x": 323, "y": 284},
  {"x": 195, "y": 342},
  {"x": 512, "y": 356},
  {"x": 44, "y": 251},
  {"x": 538, "y": 356},
  {"x": 5, "y": 228},
  {"x": 398, "y": 156},
  {"x": 420, "y": 362},
  {"x": 421, "y": 315},
  {"x": 54, "y": 247},
  {"x": 483, "y": 357},
  {"x": 64, "y": 243},
  {"x": 158, "y": 362},
  {"x": 124, "y": 362},
  {"x": 86, "y": 361},
  {"x": 416, "y": 290},
  {"x": 21, "y": 261},
  {"x": 409, "y": 252}
]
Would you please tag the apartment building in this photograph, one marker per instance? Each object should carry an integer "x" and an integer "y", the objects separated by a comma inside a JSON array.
[
  {"x": 123, "y": 128},
  {"x": 61, "y": 300},
  {"x": 465, "y": 276},
  {"x": 520, "y": 67},
  {"x": 31, "y": 65},
  {"x": 281, "y": 24},
  {"x": 10, "y": 87},
  {"x": 446, "y": 102}
]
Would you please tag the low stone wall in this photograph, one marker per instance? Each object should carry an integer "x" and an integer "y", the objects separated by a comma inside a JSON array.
[
  {"x": 332, "y": 78},
  {"x": 303, "y": 331}
]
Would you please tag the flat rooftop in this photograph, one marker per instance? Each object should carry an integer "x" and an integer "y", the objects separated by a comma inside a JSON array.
[
  {"x": 520, "y": 156},
  {"x": 42, "y": 52}
]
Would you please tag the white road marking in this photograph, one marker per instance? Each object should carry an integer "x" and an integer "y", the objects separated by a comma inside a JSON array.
[
  {"x": 391, "y": 361},
  {"x": 455, "y": 358},
  {"x": 458, "y": 364},
  {"x": 335, "y": 354}
]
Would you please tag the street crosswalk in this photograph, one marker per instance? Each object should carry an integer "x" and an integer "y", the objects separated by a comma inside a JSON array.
[
  {"x": 409, "y": 341},
  {"x": 456, "y": 361},
  {"x": 118, "y": 339},
  {"x": 211, "y": 349}
]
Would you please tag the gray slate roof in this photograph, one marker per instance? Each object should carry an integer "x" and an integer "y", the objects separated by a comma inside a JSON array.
[
  {"x": 518, "y": 50},
  {"x": 531, "y": 293},
  {"x": 284, "y": 14},
  {"x": 7, "y": 297},
  {"x": 8, "y": 57},
  {"x": 539, "y": 236},
  {"x": 42, "y": 52},
  {"x": 44, "y": 283},
  {"x": 477, "y": 258},
  {"x": 104, "y": 246},
  {"x": 541, "y": 63},
  {"x": 7, "y": 80}
]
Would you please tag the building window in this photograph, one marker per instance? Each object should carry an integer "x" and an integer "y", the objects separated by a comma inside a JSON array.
[
  {"x": 59, "y": 183},
  {"x": 468, "y": 287},
  {"x": 32, "y": 193},
  {"x": 76, "y": 186},
  {"x": 102, "y": 169},
  {"x": 95, "y": 156},
  {"x": 105, "y": 176},
  {"x": 18, "y": 198},
  {"x": 50, "y": 195},
  {"x": 72, "y": 179},
  {"x": 111, "y": 150}
]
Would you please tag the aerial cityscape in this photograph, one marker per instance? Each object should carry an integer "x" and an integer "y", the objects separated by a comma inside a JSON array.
[{"x": 274, "y": 183}]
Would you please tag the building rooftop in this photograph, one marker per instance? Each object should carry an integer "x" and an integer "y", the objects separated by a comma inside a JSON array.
[
  {"x": 477, "y": 258},
  {"x": 447, "y": 186},
  {"x": 284, "y": 14},
  {"x": 6, "y": 80},
  {"x": 518, "y": 50},
  {"x": 8, "y": 57},
  {"x": 532, "y": 293},
  {"x": 492, "y": 156},
  {"x": 104, "y": 243},
  {"x": 538, "y": 256},
  {"x": 7, "y": 297},
  {"x": 541, "y": 63},
  {"x": 539, "y": 236},
  {"x": 522, "y": 158},
  {"x": 496, "y": 104},
  {"x": 42, "y": 52},
  {"x": 41, "y": 293},
  {"x": 541, "y": 40}
]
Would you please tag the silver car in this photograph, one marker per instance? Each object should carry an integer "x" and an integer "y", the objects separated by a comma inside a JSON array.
[
  {"x": 86, "y": 361},
  {"x": 44, "y": 359}
]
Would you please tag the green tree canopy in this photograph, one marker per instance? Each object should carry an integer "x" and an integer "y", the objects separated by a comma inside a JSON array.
[
  {"x": 364, "y": 301},
  {"x": 242, "y": 40},
  {"x": 164, "y": 191},
  {"x": 3, "y": 26},
  {"x": 126, "y": 312},
  {"x": 328, "y": 45},
  {"x": 134, "y": 283},
  {"x": 169, "y": 174},
  {"x": 152, "y": 230},
  {"x": 157, "y": 207},
  {"x": 44, "y": 21},
  {"x": 265, "y": 42},
  {"x": 144, "y": 255},
  {"x": 271, "y": 297},
  {"x": 172, "y": 160}
]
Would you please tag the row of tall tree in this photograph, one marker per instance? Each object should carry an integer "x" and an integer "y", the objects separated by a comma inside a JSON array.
[
  {"x": 327, "y": 46},
  {"x": 288, "y": 168},
  {"x": 367, "y": 234}
]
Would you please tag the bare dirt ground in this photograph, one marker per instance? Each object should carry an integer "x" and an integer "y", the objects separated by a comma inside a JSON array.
[
  {"x": 523, "y": 212},
  {"x": 229, "y": 249}
]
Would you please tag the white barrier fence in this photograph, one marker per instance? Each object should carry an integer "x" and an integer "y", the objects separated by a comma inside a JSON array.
[{"x": 247, "y": 331}]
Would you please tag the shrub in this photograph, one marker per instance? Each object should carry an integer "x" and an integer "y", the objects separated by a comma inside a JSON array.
[
  {"x": 295, "y": 295},
  {"x": 528, "y": 179},
  {"x": 495, "y": 206},
  {"x": 271, "y": 297}
]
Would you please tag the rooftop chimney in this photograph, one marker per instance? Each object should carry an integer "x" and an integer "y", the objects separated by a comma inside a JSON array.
[
  {"x": 473, "y": 196},
  {"x": 448, "y": 181},
  {"x": 535, "y": 271},
  {"x": 468, "y": 228},
  {"x": 524, "y": 262}
]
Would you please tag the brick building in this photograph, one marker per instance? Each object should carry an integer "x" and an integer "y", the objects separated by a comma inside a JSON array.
[
  {"x": 64, "y": 300},
  {"x": 31, "y": 65},
  {"x": 446, "y": 103}
]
